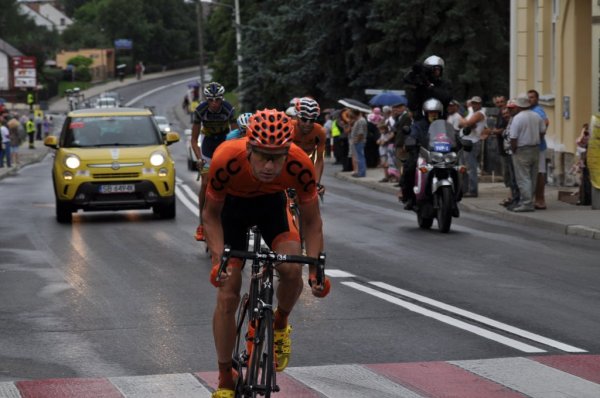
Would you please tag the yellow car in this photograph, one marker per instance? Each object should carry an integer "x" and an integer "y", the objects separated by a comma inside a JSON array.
[{"x": 112, "y": 159}]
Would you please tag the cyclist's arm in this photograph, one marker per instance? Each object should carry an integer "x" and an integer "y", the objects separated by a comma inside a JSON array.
[
  {"x": 213, "y": 229},
  {"x": 194, "y": 143},
  {"x": 312, "y": 229},
  {"x": 319, "y": 165}
]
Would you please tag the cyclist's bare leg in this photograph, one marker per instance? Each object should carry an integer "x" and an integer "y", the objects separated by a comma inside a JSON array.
[
  {"x": 202, "y": 194},
  {"x": 224, "y": 328},
  {"x": 290, "y": 281}
]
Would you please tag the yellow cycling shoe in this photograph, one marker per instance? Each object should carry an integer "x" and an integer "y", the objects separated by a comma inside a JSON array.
[
  {"x": 283, "y": 347},
  {"x": 223, "y": 393}
]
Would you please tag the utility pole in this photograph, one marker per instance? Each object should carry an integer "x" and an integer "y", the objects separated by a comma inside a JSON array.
[
  {"x": 199, "y": 24},
  {"x": 238, "y": 41}
]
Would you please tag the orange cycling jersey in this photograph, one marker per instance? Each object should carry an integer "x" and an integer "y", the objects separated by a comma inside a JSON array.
[
  {"x": 308, "y": 142},
  {"x": 230, "y": 174}
]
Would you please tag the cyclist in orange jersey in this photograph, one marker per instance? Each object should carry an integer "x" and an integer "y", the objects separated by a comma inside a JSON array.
[
  {"x": 310, "y": 136},
  {"x": 247, "y": 182}
]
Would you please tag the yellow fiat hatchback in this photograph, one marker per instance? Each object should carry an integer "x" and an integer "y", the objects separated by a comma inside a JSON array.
[{"x": 112, "y": 159}]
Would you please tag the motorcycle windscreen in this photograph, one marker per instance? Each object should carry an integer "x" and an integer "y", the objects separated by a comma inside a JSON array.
[{"x": 442, "y": 137}]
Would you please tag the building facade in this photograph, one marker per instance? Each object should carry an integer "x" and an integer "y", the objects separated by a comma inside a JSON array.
[
  {"x": 101, "y": 69},
  {"x": 554, "y": 50}
]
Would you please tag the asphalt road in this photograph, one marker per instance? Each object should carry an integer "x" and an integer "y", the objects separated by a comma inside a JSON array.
[{"x": 121, "y": 293}]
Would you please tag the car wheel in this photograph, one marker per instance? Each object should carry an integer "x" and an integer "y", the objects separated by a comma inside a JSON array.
[
  {"x": 64, "y": 212},
  {"x": 166, "y": 211}
]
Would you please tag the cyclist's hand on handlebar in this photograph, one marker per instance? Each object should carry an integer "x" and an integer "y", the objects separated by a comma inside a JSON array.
[
  {"x": 319, "y": 290},
  {"x": 213, "y": 276},
  {"x": 200, "y": 164},
  {"x": 320, "y": 190}
]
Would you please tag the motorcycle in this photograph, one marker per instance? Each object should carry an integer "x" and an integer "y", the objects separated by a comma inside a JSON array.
[{"x": 437, "y": 184}]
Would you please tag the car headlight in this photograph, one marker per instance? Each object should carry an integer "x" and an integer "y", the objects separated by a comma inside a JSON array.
[
  {"x": 157, "y": 158},
  {"x": 72, "y": 161}
]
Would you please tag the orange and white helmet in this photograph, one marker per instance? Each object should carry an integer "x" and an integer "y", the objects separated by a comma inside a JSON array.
[{"x": 270, "y": 130}]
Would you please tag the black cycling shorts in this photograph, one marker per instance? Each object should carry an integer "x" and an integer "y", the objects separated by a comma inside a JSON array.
[{"x": 269, "y": 212}]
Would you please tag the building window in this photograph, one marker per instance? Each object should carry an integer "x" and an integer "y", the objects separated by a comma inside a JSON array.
[{"x": 63, "y": 22}]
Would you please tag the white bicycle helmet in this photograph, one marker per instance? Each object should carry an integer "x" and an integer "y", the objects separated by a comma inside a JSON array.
[
  {"x": 214, "y": 90},
  {"x": 242, "y": 120},
  {"x": 307, "y": 108}
]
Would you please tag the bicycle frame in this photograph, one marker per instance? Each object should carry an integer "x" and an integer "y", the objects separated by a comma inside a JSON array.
[{"x": 256, "y": 307}]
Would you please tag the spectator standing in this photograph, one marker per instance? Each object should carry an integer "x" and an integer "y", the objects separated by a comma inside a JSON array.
[
  {"x": 525, "y": 131},
  {"x": 454, "y": 117},
  {"x": 508, "y": 113},
  {"x": 476, "y": 123},
  {"x": 328, "y": 138},
  {"x": 5, "y": 147},
  {"x": 585, "y": 185},
  {"x": 498, "y": 132},
  {"x": 30, "y": 129},
  {"x": 540, "y": 197},
  {"x": 139, "y": 70},
  {"x": 358, "y": 138},
  {"x": 39, "y": 124},
  {"x": 15, "y": 139}
]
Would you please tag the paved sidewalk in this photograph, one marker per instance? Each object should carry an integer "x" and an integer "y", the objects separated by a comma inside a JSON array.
[{"x": 559, "y": 216}]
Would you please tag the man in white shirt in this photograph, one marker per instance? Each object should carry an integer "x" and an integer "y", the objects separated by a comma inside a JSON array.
[
  {"x": 476, "y": 122},
  {"x": 525, "y": 131}
]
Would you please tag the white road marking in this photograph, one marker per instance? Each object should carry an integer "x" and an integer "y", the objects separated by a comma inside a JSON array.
[
  {"x": 348, "y": 381},
  {"x": 338, "y": 273},
  {"x": 147, "y": 93},
  {"x": 169, "y": 385},
  {"x": 446, "y": 319},
  {"x": 9, "y": 390},
  {"x": 193, "y": 207},
  {"x": 531, "y": 378},
  {"x": 480, "y": 319}
]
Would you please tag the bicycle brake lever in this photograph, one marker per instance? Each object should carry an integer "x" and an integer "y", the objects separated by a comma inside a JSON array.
[
  {"x": 224, "y": 259},
  {"x": 321, "y": 268}
]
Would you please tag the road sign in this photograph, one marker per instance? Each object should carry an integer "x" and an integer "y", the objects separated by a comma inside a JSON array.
[{"x": 24, "y": 72}]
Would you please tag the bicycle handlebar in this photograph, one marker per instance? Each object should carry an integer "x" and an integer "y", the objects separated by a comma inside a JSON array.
[{"x": 272, "y": 257}]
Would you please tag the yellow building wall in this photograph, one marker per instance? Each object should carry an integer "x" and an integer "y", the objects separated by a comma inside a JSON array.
[
  {"x": 554, "y": 56},
  {"x": 103, "y": 64}
]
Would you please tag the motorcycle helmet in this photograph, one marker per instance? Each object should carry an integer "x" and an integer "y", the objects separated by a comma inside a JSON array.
[
  {"x": 432, "y": 105},
  {"x": 433, "y": 60}
]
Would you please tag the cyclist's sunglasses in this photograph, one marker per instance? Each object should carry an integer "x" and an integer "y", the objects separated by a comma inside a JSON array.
[
  {"x": 306, "y": 120},
  {"x": 214, "y": 99}
]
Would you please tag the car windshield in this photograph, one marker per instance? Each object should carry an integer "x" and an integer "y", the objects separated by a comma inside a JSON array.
[
  {"x": 161, "y": 120},
  {"x": 106, "y": 102},
  {"x": 84, "y": 132}
]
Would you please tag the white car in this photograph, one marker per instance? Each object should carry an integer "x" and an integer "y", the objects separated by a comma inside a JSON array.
[
  {"x": 192, "y": 160},
  {"x": 106, "y": 102},
  {"x": 114, "y": 95},
  {"x": 163, "y": 124}
]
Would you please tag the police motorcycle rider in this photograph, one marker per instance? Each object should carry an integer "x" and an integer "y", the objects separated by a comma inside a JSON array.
[
  {"x": 419, "y": 137},
  {"x": 426, "y": 81}
]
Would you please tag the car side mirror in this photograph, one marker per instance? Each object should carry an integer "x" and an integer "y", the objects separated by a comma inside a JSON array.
[
  {"x": 171, "y": 138},
  {"x": 51, "y": 141}
]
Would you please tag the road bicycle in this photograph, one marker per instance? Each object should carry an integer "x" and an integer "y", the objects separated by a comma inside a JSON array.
[{"x": 253, "y": 355}]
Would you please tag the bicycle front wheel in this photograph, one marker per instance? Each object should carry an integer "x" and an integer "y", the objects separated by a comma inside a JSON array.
[
  {"x": 262, "y": 361},
  {"x": 240, "y": 356}
]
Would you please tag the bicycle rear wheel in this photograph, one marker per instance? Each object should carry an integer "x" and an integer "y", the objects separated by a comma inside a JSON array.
[{"x": 262, "y": 361}]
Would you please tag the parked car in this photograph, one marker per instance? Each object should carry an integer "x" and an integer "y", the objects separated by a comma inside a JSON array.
[
  {"x": 112, "y": 159},
  {"x": 163, "y": 124},
  {"x": 192, "y": 160}
]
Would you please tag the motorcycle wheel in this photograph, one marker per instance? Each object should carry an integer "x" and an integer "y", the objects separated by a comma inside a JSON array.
[
  {"x": 424, "y": 222},
  {"x": 444, "y": 211}
]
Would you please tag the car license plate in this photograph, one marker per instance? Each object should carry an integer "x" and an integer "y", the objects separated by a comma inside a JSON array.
[{"x": 117, "y": 188}]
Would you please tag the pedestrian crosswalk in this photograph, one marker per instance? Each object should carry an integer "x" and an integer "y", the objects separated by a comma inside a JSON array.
[{"x": 536, "y": 377}]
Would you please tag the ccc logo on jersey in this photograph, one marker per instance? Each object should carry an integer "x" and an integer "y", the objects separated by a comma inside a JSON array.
[
  {"x": 304, "y": 176},
  {"x": 223, "y": 174}
]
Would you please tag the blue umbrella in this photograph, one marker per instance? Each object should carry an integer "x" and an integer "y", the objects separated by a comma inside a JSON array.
[
  {"x": 2, "y": 101},
  {"x": 388, "y": 98}
]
